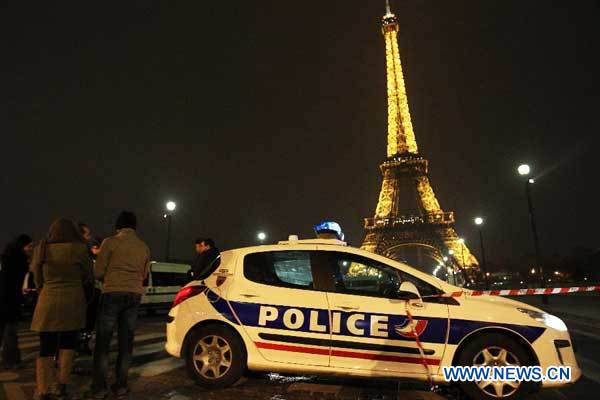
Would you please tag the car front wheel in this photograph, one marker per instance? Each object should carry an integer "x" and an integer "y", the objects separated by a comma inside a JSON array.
[
  {"x": 215, "y": 356},
  {"x": 495, "y": 350}
]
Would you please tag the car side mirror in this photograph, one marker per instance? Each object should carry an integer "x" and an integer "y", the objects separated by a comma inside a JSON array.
[{"x": 408, "y": 291}]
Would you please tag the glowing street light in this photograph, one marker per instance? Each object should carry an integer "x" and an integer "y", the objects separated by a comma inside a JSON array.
[
  {"x": 479, "y": 222},
  {"x": 524, "y": 169},
  {"x": 170, "y": 206},
  {"x": 261, "y": 236}
]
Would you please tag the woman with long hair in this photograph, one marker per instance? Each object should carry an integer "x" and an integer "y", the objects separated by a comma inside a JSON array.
[
  {"x": 14, "y": 265},
  {"x": 61, "y": 267}
]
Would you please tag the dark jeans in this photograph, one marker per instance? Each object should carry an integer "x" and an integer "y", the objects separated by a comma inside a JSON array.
[
  {"x": 9, "y": 341},
  {"x": 116, "y": 309},
  {"x": 91, "y": 312}
]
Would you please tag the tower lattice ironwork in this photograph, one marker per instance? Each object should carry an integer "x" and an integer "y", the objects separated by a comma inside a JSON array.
[{"x": 409, "y": 223}]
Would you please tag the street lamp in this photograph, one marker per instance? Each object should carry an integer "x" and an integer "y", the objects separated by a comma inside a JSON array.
[
  {"x": 461, "y": 241},
  {"x": 524, "y": 170},
  {"x": 450, "y": 253},
  {"x": 170, "y": 206},
  {"x": 479, "y": 222},
  {"x": 261, "y": 236}
]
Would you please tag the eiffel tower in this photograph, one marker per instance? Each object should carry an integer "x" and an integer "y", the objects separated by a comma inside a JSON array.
[{"x": 409, "y": 224}]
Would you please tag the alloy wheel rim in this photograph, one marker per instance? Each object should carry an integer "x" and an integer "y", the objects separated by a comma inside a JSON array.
[
  {"x": 212, "y": 357},
  {"x": 496, "y": 356}
]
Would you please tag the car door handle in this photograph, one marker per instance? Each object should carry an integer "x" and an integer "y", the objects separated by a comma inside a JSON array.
[
  {"x": 249, "y": 295},
  {"x": 417, "y": 305},
  {"x": 348, "y": 307}
]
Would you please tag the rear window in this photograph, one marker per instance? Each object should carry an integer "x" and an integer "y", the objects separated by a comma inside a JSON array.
[
  {"x": 169, "y": 279},
  {"x": 280, "y": 268}
]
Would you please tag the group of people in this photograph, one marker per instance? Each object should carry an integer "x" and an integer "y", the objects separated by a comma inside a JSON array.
[
  {"x": 64, "y": 274},
  {"x": 67, "y": 268}
]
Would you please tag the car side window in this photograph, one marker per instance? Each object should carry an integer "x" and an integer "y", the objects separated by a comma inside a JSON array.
[
  {"x": 425, "y": 289},
  {"x": 280, "y": 268},
  {"x": 363, "y": 276}
]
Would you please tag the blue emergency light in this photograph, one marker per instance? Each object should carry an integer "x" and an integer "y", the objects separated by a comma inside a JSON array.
[{"x": 329, "y": 227}]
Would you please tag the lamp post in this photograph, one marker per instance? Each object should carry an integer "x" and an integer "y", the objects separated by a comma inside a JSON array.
[
  {"x": 261, "y": 236},
  {"x": 524, "y": 171},
  {"x": 461, "y": 241},
  {"x": 451, "y": 256},
  {"x": 170, "y": 206},
  {"x": 479, "y": 222}
]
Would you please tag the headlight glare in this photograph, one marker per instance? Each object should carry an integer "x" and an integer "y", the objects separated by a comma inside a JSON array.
[{"x": 549, "y": 320}]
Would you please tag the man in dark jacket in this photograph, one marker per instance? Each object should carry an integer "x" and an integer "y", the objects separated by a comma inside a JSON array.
[
  {"x": 13, "y": 268},
  {"x": 92, "y": 293},
  {"x": 207, "y": 259}
]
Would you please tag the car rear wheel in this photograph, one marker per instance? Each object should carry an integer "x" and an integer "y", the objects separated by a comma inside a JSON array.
[
  {"x": 495, "y": 350},
  {"x": 215, "y": 356}
]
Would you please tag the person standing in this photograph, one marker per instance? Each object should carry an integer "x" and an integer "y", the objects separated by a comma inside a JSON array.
[
  {"x": 123, "y": 263},
  {"x": 92, "y": 294},
  {"x": 14, "y": 265},
  {"x": 207, "y": 259},
  {"x": 61, "y": 267}
]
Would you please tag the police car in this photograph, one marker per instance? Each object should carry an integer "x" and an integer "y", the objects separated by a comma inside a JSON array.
[{"x": 320, "y": 307}]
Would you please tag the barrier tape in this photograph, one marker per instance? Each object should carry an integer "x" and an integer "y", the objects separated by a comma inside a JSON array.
[
  {"x": 419, "y": 345},
  {"x": 521, "y": 292}
]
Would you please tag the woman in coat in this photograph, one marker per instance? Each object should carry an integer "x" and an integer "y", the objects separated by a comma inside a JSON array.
[
  {"x": 61, "y": 267},
  {"x": 13, "y": 268}
]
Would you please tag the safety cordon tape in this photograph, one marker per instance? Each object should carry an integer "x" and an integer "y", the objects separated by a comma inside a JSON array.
[
  {"x": 419, "y": 346},
  {"x": 520, "y": 292}
]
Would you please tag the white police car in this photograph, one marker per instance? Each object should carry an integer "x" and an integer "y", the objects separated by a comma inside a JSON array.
[{"x": 320, "y": 307}]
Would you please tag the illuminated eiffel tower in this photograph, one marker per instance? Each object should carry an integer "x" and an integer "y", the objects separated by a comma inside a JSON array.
[{"x": 409, "y": 224}]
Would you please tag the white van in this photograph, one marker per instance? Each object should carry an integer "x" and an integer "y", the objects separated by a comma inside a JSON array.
[{"x": 162, "y": 284}]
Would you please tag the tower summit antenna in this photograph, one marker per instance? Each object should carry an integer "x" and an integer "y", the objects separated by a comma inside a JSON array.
[{"x": 387, "y": 7}]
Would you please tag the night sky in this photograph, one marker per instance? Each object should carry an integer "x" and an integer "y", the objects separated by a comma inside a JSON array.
[{"x": 271, "y": 115}]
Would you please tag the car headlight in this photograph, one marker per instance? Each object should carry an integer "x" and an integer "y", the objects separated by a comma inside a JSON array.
[{"x": 549, "y": 320}]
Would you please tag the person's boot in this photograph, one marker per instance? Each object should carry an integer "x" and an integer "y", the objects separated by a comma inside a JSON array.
[
  {"x": 65, "y": 365},
  {"x": 44, "y": 377}
]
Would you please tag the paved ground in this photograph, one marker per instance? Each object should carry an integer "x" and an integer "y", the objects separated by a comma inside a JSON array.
[{"x": 155, "y": 375}]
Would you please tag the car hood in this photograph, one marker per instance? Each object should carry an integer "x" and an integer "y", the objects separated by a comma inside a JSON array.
[
  {"x": 498, "y": 301},
  {"x": 486, "y": 300}
]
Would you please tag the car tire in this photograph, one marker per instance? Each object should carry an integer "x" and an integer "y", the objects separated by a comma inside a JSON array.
[
  {"x": 215, "y": 356},
  {"x": 501, "y": 350}
]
